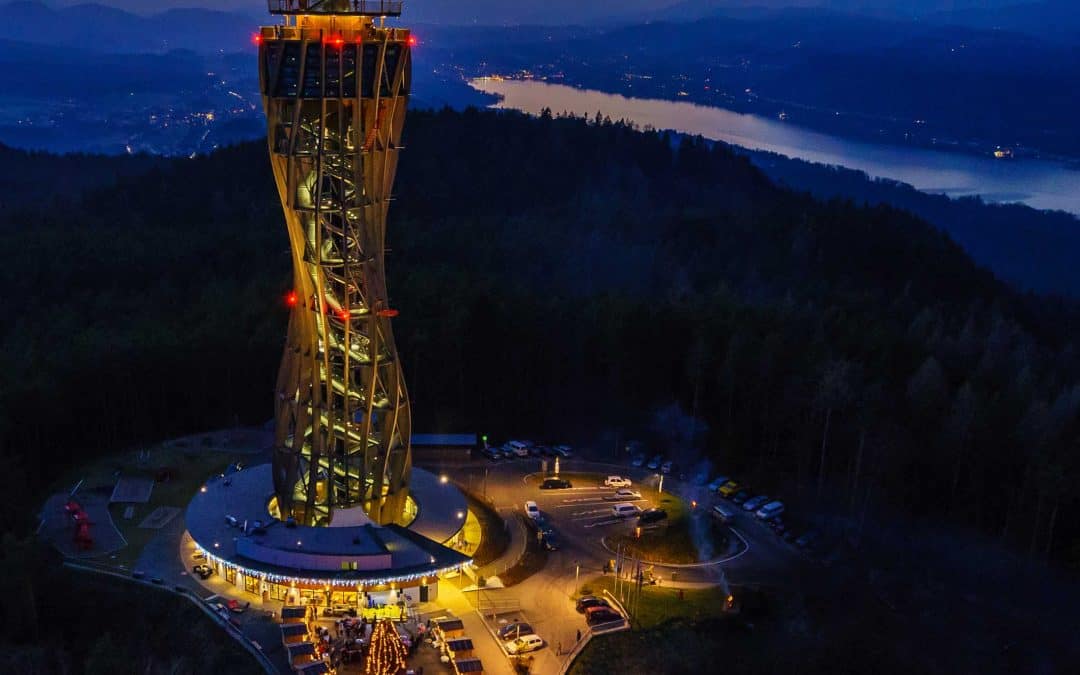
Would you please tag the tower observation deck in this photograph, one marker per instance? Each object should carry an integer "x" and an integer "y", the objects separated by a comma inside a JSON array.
[{"x": 335, "y": 85}]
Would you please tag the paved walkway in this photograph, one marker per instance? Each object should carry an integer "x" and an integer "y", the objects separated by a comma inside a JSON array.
[
  {"x": 514, "y": 550},
  {"x": 487, "y": 647}
]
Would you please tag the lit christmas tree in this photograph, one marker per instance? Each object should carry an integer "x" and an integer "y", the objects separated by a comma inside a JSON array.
[{"x": 386, "y": 655}]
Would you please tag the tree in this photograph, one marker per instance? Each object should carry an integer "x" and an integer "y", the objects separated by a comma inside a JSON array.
[{"x": 833, "y": 393}]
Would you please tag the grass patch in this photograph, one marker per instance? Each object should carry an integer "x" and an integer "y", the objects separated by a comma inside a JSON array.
[
  {"x": 676, "y": 647},
  {"x": 495, "y": 538},
  {"x": 80, "y": 622},
  {"x": 659, "y": 604},
  {"x": 190, "y": 462},
  {"x": 674, "y": 541}
]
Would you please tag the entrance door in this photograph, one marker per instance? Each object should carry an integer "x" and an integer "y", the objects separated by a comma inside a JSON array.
[{"x": 423, "y": 593}]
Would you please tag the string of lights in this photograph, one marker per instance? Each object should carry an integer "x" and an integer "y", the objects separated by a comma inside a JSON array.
[
  {"x": 386, "y": 655},
  {"x": 324, "y": 581}
]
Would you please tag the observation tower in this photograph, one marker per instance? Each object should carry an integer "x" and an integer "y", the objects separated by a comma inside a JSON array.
[
  {"x": 335, "y": 85},
  {"x": 338, "y": 516}
]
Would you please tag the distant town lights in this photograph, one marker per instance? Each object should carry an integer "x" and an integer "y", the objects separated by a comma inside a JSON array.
[{"x": 444, "y": 479}]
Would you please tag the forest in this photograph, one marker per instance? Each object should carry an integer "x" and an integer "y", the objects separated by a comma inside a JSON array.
[{"x": 558, "y": 278}]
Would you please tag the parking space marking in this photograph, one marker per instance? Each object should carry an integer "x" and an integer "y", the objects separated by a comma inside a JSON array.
[{"x": 604, "y": 522}]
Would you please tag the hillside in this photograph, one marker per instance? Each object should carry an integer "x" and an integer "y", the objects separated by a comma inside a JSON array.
[{"x": 613, "y": 274}]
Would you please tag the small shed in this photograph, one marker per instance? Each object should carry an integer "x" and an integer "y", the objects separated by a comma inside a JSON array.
[
  {"x": 471, "y": 666},
  {"x": 304, "y": 652},
  {"x": 451, "y": 628},
  {"x": 293, "y": 614},
  {"x": 460, "y": 648},
  {"x": 312, "y": 668},
  {"x": 291, "y": 633}
]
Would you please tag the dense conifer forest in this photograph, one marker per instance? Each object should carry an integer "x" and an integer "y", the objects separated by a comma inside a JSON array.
[{"x": 559, "y": 278}]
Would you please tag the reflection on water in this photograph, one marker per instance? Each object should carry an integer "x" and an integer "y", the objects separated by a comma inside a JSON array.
[{"x": 1042, "y": 184}]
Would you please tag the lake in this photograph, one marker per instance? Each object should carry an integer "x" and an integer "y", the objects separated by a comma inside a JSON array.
[{"x": 1038, "y": 183}]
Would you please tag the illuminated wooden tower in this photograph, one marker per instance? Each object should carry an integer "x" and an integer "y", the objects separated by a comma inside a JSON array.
[{"x": 335, "y": 84}]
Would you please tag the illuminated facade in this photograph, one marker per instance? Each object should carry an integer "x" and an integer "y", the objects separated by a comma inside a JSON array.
[{"x": 335, "y": 84}]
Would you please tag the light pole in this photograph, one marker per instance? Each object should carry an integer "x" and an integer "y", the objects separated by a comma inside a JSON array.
[{"x": 660, "y": 488}]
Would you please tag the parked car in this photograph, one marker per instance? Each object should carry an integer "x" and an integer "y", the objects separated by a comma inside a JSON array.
[
  {"x": 770, "y": 510},
  {"x": 741, "y": 496},
  {"x": 562, "y": 451},
  {"x": 667, "y": 466},
  {"x": 514, "y": 630},
  {"x": 755, "y": 503},
  {"x": 519, "y": 448},
  {"x": 715, "y": 483},
  {"x": 532, "y": 510},
  {"x": 728, "y": 489},
  {"x": 587, "y": 601},
  {"x": 724, "y": 513},
  {"x": 617, "y": 482},
  {"x": 525, "y": 643},
  {"x": 595, "y": 615},
  {"x": 492, "y": 454},
  {"x": 555, "y": 484},
  {"x": 507, "y": 451},
  {"x": 625, "y": 510},
  {"x": 203, "y": 571},
  {"x": 652, "y": 516},
  {"x": 623, "y": 495},
  {"x": 551, "y": 542},
  {"x": 655, "y": 462},
  {"x": 637, "y": 461}
]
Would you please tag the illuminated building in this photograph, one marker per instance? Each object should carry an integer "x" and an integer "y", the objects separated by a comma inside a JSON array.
[
  {"x": 335, "y": 84},
  {"x": 336, "y": 516}
]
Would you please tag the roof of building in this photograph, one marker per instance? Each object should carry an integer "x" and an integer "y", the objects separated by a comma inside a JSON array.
[
  {"x": 300, "y": 649},
  {"x": 354, "y": 554},
  {"x": 460, "y": 644},
  {"x": 469, "y": 665},
  {"x": 444, "y": 440},
  {"x": 293, "y": 629},
  {"x": 450, "y": 624}
]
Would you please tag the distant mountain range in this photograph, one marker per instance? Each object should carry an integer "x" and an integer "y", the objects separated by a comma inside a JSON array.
[{"x": 107, "y": 29}]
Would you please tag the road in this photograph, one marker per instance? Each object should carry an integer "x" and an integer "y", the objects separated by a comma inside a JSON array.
[{"x": 581, "y": 515}]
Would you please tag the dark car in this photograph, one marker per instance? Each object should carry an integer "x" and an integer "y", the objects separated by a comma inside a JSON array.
[
  {"x": 493, "y": 454},
  {"x": 588, "y": 601},
  {"x": 596, "y": 615},
  {"x": 551, "y": 541},
  {"x": 741, "y": 496},
  {"x": 514, "y": 630},
  {"x": 652, "y": 516},
  {"x": 555, "y": 484},
  {"x": 204, "y": 571}
]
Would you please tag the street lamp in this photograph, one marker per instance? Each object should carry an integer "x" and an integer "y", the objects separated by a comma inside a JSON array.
[{"x": 660, "y": 487}]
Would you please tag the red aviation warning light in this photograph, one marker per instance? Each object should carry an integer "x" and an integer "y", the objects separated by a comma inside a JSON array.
[
  {"x": 388, "y": 313},
  {"x": 413, "y": 41},
  {"x": 343, "y": 314},
  {"x": 291, "y": 299},
  {"x": 256, "y": 39}
]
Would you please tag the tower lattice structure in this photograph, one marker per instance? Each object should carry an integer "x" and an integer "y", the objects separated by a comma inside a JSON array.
[{"x": 335, "y": 84}]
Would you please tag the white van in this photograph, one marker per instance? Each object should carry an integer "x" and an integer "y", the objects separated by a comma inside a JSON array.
[
  {"x": 518, "y": 448},
  {"x": 724, "y": 513},
  {"x": 532, "y": 510},
  {"x": 770, "y": 510},
  {"x": 625, "y": 510}
]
